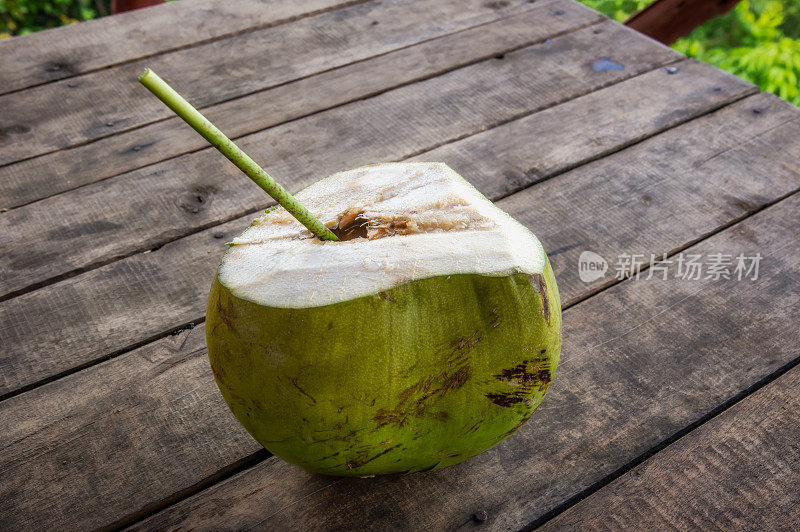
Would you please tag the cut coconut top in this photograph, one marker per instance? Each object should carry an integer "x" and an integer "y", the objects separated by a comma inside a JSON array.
[{"x": 398, "y": 222}]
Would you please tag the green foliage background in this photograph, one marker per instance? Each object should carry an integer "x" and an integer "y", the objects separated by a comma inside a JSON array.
[
  {"x": 759, "y": 40},
  {"x": 18, "y": 17}
]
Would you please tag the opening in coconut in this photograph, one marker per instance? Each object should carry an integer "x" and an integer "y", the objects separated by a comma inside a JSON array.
[
  {"x": 356, "y": 223},
  {"x": 397, "y": 222}
]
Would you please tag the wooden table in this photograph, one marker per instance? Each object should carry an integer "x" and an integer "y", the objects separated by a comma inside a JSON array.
[{"x": 677, "y": 401}]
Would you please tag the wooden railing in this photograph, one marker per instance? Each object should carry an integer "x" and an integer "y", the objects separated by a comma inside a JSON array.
[
  {"x": 118, "y": 6},
  {"x": 669, "y": 20}
]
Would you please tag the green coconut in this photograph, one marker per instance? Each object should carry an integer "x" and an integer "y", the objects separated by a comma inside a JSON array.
[{"x": 429, "y": 333}]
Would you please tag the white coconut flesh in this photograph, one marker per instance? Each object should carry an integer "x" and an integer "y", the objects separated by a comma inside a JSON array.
[{"x": 399, "y": 222}]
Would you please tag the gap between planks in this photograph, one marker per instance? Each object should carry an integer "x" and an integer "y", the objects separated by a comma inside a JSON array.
[
  {"x": 690, "y": 243},
  {"x": 336, "y": 38},
  {"x": 154, "y": 507},
  {"x": 250, "y": 211},
  {"x": 222, "y": 36},
  {"x": 710, "y": 416},
  {"x": 365, "y": 96},
  {"x": 198, "y": 318},
  {"x": 570, "y": 305},
  {"x": 114, "y": 354},
  {"x": 254, "y": 459}
]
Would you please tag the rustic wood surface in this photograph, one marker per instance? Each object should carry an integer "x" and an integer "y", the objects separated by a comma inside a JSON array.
[
  {"x": 737, "y": 472},
  {"x": 37, "y": 58},
  {"x": 100, "y": 103},
  {"x": 642, "y": 361},
  {"x": 200, "y": 189},
  {"x": 47, "y": 175},
  {"x": 675, "y": 402},
  {"x": 193, "y": 258}
]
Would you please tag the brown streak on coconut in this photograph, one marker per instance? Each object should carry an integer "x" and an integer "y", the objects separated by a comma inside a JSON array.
[
  {"x": 224, "y": 313},
  {"x": 475, "y": 427},
  {"x": 386, "y": 297},
  {"x": 528, "y": 373},
  {"x": 294, "y": 383},
  {"x": 426, "y": 392},
  {"x": 538, "y": 282},
  {"x": 462, "y": 346},
  {"x": 456, "y": 380},
  {"x": 516, "y": 427},
  {"x": 495, "y": 318},
  {"x": 507, "y": 400}
]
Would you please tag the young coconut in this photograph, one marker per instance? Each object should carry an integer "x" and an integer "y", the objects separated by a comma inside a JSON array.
[
  {"x": 427, "y": 335},
  {"x": 425, "y": 331}
]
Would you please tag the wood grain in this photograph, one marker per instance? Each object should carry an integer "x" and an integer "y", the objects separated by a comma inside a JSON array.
[
  {"x": 101, "y": 103},
  {"x": 76, "y": 479},
  {"x": 98, "y": 223},
  {"x": 180, "y": 272},
  {"x": 739, "y": 471},
  {"x": 641, "y": 361},
  {"x": 594, "y": 125},
  {"x": 102, "y": 309},
  {"x": 62, "y": 170},
  {"x": 64, "y": 52},
  {"x": 702, "y": 175}
]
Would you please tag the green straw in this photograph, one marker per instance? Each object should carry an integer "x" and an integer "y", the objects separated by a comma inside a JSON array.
[{"x": 217, "y": 138}]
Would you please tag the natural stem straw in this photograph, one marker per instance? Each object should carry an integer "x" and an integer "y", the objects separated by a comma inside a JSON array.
[{"x": 217, "y": 138}]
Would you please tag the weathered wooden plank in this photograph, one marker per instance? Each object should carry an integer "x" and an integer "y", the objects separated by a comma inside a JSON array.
[
  {"x": 201, "y": 189},
  {"x": 702, "y": 175},
  {"x": 154, "y": 470},
  {"x": 641, "y": 361},
  {"x": 609, "y": 119},
  {"x": 34, "y": 325},
  {"x": 77, "y": 418},
  {"x": 56, "y": 172},
  {"x": 98, "y": 104},
  {"x": 739, "y": 471},
  {"x": 70, "y": 50}
]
